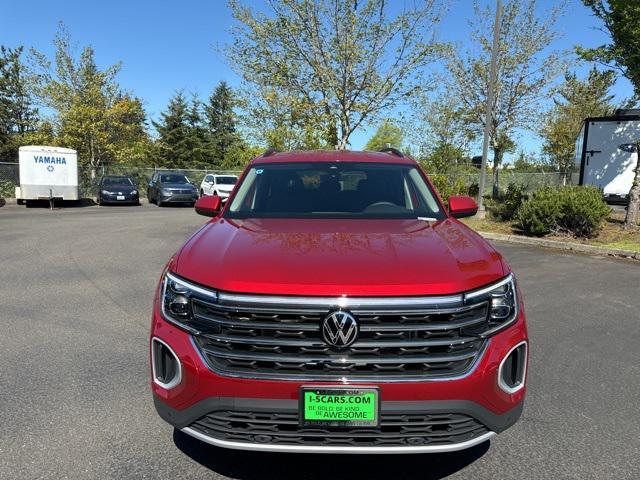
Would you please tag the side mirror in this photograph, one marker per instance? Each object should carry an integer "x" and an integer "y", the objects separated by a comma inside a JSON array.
[
  {"x": 462, "y": 206},
  {"x": 209, "y": 206}
]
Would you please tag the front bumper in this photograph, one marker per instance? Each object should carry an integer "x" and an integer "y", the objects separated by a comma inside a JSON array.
[
  {"x": 201, "y": 393},
  {"x": 484, "y": 425},
  {"x": 179, "y": 198},
  {"x": 125, "y": 198}
]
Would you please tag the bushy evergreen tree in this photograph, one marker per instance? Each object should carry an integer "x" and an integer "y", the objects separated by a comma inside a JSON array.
[
  {"x": 173, "y": 149},
  {"x": 221, "y": 120},
  {"x": 198, "y": 140}
]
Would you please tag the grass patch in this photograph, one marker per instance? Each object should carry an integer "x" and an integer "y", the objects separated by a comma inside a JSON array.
[{"x": 610, "y": 236}]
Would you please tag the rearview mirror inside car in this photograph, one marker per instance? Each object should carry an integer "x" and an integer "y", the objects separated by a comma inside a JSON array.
[
  {"x": 209, "y": 206},
  {"x": 462, "y": 206}
]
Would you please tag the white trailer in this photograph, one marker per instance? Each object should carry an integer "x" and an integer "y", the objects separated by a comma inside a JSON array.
[
  {"x": 47, "y": 173},
  {"x": 605, "y": 153}
]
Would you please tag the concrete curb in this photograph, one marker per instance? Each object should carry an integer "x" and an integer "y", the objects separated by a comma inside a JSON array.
[{"x": 570, "y": 246}]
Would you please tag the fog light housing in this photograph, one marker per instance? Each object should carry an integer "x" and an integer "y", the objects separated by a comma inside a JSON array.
[
  {"x": 165, "y": 365},
  {"x": 513, "y": 369}
]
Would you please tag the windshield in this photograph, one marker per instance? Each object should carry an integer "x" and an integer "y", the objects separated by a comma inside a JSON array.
[
  {"x": 112, "y": 181},
  {"x": 334, "y": 190},
  {"x": 226, "y": 180},
  {"x": 173, "y": 179}
]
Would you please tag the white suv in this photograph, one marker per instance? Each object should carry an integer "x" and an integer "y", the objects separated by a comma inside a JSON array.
[{"x": 220, "y": 185}]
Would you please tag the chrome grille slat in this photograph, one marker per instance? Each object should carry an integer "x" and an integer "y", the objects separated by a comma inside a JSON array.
[
  {"x": 318, "y": 343},
  {"x": 336, "y": 358}
]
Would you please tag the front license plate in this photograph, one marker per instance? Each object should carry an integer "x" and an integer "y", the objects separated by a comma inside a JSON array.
[
  {"x": 120, "y": 197},
  {"x": 339, "y": 407}
]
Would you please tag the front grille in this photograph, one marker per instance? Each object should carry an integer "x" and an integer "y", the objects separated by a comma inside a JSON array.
[
  {"x": 178, "y": 191},
  {"x": 395, "y": 429},
  {"x": 278, "y": 342}
]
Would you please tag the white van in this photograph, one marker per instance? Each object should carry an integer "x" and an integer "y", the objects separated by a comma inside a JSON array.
[
  {"x": 606, "y": 155},
  {"x": 47, "y": 172}
]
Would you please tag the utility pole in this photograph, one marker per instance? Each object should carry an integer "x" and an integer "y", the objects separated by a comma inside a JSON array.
[{"x": 488, "y": 118}]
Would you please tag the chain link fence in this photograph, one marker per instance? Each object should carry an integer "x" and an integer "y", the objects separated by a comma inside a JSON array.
[
  {"x": 88, "y": 178},
  {"x": 467, "y": 183}
]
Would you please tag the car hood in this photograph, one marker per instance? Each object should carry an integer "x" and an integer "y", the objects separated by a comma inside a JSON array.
[{"x": 339, "y": 257}]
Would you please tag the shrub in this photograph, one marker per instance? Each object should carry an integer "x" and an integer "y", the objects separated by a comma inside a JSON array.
[
  {"x": 538, "y": 216},
  {"x": 583, "y": 211},
  {"x": 511, "y": 202},
  {"x": 7, "y": 189},
  {"x": 577, "y": 210}
]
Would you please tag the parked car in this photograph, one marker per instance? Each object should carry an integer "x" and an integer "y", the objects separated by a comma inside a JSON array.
[
  {"x": 336, "y": 305},
  {"x": 220, "y": 185},
  {"x": 167, "y": 188},
  {"x": 117, "y": 189}
]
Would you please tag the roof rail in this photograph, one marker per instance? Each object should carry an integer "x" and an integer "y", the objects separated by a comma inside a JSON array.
[
  {"x": 269, "y": 152},
  {"x": 393, "y": 151}
]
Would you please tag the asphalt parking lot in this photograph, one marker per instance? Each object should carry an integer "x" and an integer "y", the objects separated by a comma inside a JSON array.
[{"x": 75, "y": 295}]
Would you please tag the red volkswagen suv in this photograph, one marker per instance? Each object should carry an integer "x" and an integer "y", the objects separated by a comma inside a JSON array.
[{"x": 336, "y": 305}]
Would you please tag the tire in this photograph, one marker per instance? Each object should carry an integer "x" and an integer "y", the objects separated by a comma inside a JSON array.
[
  {"x": 99, "y": 201},
  {"x": 19, "y": 201},
  {"x": 149, "y": 197},
  {"x": 159, "y": 203},
  {"x": 201, "y": 192}
]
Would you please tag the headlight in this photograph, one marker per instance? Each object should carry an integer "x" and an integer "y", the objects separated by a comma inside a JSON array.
[
  {"x": 177, "y": 300},
  {"x": 134, "y": 192},
  {"x": 106, "y": 192},
  {"x": 502, "y": 306}
]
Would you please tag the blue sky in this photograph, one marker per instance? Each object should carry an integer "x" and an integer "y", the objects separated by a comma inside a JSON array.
[{"x": 166, "y": 46}]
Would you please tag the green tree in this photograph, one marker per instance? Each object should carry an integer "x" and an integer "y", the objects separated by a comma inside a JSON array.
[
  {"x": 93, "y": 115},
  {"x": 439, "y": 124},
  {"x": 621, "y": 19},
  {"x": 345, "y": 62},
  {"x": 284, "y": 121},
  {"x": 576, "y": 100},
  {"x": 528, "y": 163},
  {"x": 222, "y": 122},
  {"x": 527, "y": 70},
  {"x": 441, "y": 157},
  {"x": 173, "y": 144},
  {"x": 198, "y": 139},
  {"x": 388, "y": 134},
  {"x": 18, "y": 116}
]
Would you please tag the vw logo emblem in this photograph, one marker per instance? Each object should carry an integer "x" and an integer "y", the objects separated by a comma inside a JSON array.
[
  {"x": 339, "y": 329},
  {"x": 50, "y": 168}
]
